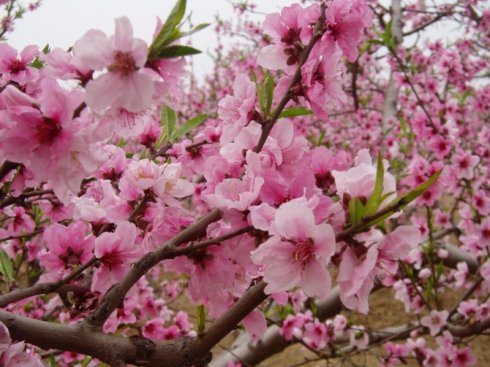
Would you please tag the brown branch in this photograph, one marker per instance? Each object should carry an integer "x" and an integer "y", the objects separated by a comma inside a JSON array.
[
  {"x": 430, "y": 22},
  {"x": 43, "y": 288},
  {"x": 107, "y": 348},
  {"x": 205, "y": 244},
  {"x": 20, "y": 199}
]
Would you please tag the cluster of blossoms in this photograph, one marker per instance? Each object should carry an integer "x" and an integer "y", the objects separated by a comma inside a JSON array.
[{"x": 113, "y": 203}]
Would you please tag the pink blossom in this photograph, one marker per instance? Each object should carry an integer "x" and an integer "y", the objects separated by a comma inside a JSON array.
[
  {"x": 298, "y": 251},
  {"x": 67, "y": 247},
  {"x": 15, "y": 68},
  {"x": 170, "y": 184},
  {"x": 346, "y": 20},
  {"x": 315, "y": 335},
  {"x": 234, "y": 193},
  {"x": 116, "y": 252},
  {"x": 124, "y": 84},
  {"x": 236, "y": 111},
  {"x": 435, "y": 321},
  {"x": 288, "y": 30},
  {"x": 255, "y": 325},
  {"x": 15, "y": 356},
  {"x": 358, "y": 338},
  {"x": 5, "y": 339},
  {"x": 465, "y": 163},
  {"x": 142, "y": 174},
  {"x": 322, "y": 82},
  {"x": 379, "y": 257}
]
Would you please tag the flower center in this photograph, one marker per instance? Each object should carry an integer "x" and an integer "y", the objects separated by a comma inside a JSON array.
[
  {"x": 17, "y": 66},
  {"x": 47, "y": 131},
  {"x": 305, "y": 252},
  {"x": 123, "y": 63}
]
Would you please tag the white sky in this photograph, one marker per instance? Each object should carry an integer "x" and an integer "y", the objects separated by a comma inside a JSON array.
[{"x": 61, "y": 22}]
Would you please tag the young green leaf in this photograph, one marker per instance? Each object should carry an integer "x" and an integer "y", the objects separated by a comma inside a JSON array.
[
  {"x": 168, "y": 120},
  {"x": 189, "y": 125},
  {"x": 164, "y": 37},
  {"x": 356, "y": 211},
  {"x": 269, "y": 85},
  {"x": 6, "y": 267},
  {"x": 401, "y": 202},
  {"x": 201, "y": 319},
  {"x": 177, "y": 51},
  {"x": 295, "y": 111},
  {"x": 86, "y": 361}
]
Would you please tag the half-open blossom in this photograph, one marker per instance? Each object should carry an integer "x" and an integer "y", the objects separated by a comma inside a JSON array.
[
  {"x": 359, "y": 180},
  {"x": 123, "y": 85}
]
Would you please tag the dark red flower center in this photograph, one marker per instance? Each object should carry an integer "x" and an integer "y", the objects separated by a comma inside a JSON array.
[{"x": 123, "y": 63}]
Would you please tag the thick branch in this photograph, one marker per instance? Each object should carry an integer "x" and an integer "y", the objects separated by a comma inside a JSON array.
[
  {"x": 43, "y": 288},
  {"x": 107, "y": 348}
]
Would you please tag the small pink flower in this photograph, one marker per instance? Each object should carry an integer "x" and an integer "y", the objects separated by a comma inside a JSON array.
[
  {"x": 17, "y": 69},
  {"x": 358, "y": 338},
  {"x": 435, "y": 321}
]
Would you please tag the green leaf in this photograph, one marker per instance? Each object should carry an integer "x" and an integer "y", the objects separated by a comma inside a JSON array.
[
  {"x": 168, "y": 29},
  {"x": 177, "y": 51},
  {"x": 189, "y": 125},
  {"x": 168, "y": 120},
  {"x": 46, "y": 50},
  {"x": 37, "y": 64},
  {"x": 356, "y": 210},
  {"x": 419, "y": 190},
  {"x": 374, "y": 200},
  {"x": 52, "y": 361},
  {"x": 269, "y": 86},
  {"x": 201, "y": 319},
  {"x": 387, "y": 36},
  {"x": 86, "y": 361},
  {"x": 265, "y": 92},
  {"x": 6, "y": 267},
  {"x": 401, "y": 202},
  {"x": 295, "y": 111}
]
